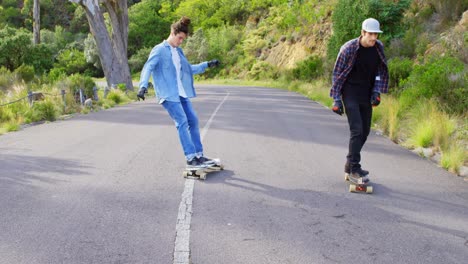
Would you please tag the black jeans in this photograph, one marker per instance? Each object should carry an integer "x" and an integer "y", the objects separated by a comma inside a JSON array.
[{"x": 359, "y": 115}]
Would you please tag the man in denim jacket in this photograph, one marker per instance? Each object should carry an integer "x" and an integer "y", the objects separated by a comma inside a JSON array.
[
  {"x": 173, "y": 84},
  {"x": 360, "y": 75}
]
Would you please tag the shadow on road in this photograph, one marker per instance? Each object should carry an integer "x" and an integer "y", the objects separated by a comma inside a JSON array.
[{"x": 27, "y": 170}]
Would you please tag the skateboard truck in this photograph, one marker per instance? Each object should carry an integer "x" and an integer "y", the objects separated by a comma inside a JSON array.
[{"x": 358, "y": 188}]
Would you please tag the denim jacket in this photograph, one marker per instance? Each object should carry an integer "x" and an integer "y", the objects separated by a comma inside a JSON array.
[{"x": 161, "y": 67}]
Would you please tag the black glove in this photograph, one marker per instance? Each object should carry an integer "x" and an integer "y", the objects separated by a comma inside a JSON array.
[
  {"x": 375, "y": 99},
  {"x": 338, "y": 107},
  {"x": 213, "y": 63},
  {"x": 141, "y": 93}
]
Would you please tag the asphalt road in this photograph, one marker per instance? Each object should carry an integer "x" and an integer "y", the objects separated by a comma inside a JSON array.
[{"x": 107, "y": 187}]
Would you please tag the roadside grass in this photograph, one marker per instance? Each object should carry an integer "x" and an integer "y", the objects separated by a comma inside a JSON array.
[
  {"x": 52, "y": 106},
  {"x": 454, "y": 157},
  {"x": 11, "y": 126},
  {"x": 388, "y": 117},
  {"x": 46, "y": 110},
  {"x": 431, "y": 127}
]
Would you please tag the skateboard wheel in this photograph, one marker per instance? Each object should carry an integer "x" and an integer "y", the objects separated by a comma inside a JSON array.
[
  {"x": 185, "y": 174},
  {"x": 221, "y": 167},
  {"x": 346, "y": 177},
  {"x": 352, "y": 188},
  {"x": 369, "y": 189},
  {"x": 202, "y": 176}
]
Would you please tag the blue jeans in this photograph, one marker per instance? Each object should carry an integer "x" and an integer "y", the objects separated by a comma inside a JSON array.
[{"x": 186, "y": 122}]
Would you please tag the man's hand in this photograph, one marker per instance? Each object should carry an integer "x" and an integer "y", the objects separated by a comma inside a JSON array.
[
  {"x": 141, "y": 93},
  {"x": 213, "y": 63},
  {"x": 375, "y": 99},
  {"x": 338, "y": 107}
]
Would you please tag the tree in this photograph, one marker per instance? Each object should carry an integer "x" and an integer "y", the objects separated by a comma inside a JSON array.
[
  {"x": 112, "y": 46},
  {"x": 37, "y": 22}
]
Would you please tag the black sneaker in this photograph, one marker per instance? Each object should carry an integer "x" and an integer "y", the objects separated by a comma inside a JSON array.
[
  {"x": 195, "y": 163},
  {"x": 206, "y": 160},
  {"x": 347, "y": 170},
  {"x": 359, "y": 176}
]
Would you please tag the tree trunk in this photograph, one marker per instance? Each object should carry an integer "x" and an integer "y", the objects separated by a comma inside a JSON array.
[
  {"x": 112, "y": 46},
  {"x": 36, "y": 22}
]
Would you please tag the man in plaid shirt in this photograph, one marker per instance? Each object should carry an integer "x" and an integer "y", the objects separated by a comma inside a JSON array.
[{"x": 360, "y": 75}]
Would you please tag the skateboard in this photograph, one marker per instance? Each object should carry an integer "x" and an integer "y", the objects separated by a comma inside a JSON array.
[
  {"x": 202, "y": 172},
  {"x": 358, "y": 188}
]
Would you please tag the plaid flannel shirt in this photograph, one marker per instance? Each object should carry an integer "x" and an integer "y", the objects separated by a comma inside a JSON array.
[{"x": 345, "y": 63}]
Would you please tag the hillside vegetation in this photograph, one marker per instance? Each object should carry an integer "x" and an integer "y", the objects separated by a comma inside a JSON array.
[{"x": 282, "y": 43}]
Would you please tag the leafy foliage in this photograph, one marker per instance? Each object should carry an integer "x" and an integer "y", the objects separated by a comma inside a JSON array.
[
  {"x": 25, "y": 72},
  {"x": 77, "y": 81},
  {"x": 309, "y": 68},
  {"x": 53, "y": 12},
  {"x": 399, "y": 69},
  {"x": 196, "y": 47},
  {"x": 41, "y": 58},
  {"x": 71, "y": 61},
  {"x": 147, "y": 27},
  {"x": 14, "y": 46},
  {"x": 42, "y": 110},
  {"x": 10, "y": 15},
  {"x": 441, "y": 77},
  {"x": 262, "y": 70},
  {"x": 137, "y": 61},
  {"x": 349, "y": 14}
]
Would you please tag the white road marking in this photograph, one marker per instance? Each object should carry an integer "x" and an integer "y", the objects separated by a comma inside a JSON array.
[{"x": 184, "y": 217}]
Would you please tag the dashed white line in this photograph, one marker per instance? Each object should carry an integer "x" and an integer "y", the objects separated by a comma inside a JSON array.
[{"x": 184, "y": 217}]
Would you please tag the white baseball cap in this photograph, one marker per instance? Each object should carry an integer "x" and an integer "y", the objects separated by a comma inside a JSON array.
[{"x": 371, "y": 25}]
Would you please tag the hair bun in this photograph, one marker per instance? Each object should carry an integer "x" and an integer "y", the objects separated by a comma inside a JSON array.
[{"x": 185, "y": 21}]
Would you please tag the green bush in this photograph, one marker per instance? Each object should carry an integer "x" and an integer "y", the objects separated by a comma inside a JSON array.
[
  {"x": 454, "y": 157},
  {"x": 390, "y": 114},
  {"x": 71, "y": 61},
  {"x": 6, "y": 79},
  {"x": 41, "y": 58},
  {"x": 262, "y": 70},
  {"x": 147, "y": 26},
  {"x": 348, "y": 16},
  {"x": 56, "y": 74},
  {"x": 25, "y": 72},
  {"x": 444, "y": 78},
  {"x": 5, "y": 114},
  {"x": 399, "y": 69},
  {"x": 42, "y": 111},
  {"x": 14, "y": 47},
  {"x": 422, "y": 134},
  {"x": 429, "y": 125},
  {"x": 117, "y": 96},
  {"x": 77, "y": 81},
  {"x": 122, "y": 87},
  {"x": 222, "y": 42},
  {"x": 253, "y": 46},
  {"x": 196, "y": 47},
  {"x": 138, "y": 60},
  {"x": 11, "y": 126},
  {"x": 308, "y": 69}
]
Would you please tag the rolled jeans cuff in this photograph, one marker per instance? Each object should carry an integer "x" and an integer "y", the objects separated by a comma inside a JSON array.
[{"x": 190, "y": 157}]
